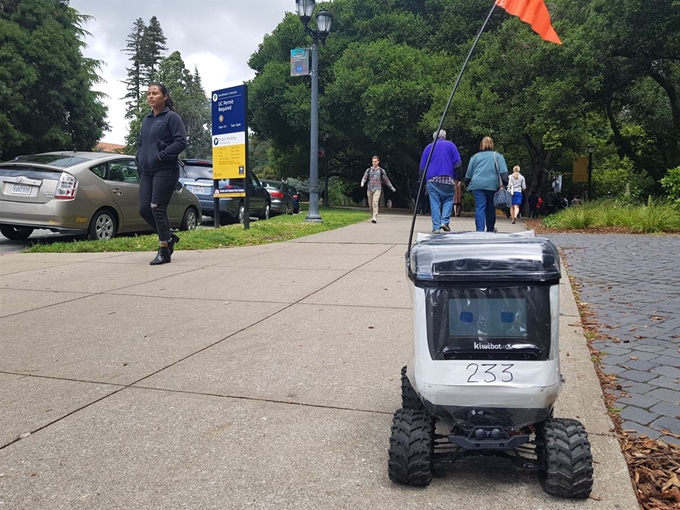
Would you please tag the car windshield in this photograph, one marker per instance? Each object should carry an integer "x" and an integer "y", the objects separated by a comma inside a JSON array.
[
  {"x": 198, "y": 172},
  {"x": 60, "y": 160},
  {"x": 271, "y": 185}
]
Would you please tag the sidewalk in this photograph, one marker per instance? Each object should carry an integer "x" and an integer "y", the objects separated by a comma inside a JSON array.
[{"x": 257, "y": 377}]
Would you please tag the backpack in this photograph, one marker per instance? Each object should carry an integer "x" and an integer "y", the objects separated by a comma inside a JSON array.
[{"x": 540, "y": 201}]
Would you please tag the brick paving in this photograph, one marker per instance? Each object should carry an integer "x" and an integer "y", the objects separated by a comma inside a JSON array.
[{"x": 630, "y": 283}]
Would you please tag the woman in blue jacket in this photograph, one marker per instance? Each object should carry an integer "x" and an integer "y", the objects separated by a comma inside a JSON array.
[
  {"x": 161, "y": 141},
  {"x": 486, "y": 170}
]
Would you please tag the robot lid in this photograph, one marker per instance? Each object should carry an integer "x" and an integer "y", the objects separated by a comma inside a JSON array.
[{"x": 483, "y": 257}]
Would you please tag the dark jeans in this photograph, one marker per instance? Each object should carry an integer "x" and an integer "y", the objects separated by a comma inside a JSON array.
[
  {"x": 485, "y": 212},
  {"x": 155, "y": 192}
]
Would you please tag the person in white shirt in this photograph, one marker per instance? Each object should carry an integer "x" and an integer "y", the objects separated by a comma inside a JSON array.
[{"x": 516, "y": 185}]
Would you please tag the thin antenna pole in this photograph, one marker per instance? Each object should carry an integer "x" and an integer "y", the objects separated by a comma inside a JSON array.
[{"x": 441, "y": 122}]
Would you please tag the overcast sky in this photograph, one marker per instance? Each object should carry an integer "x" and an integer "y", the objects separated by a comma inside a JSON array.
[{"x": 216, "y": 36}]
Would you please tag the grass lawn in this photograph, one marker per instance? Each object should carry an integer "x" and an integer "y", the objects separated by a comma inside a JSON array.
[{"x": 275, "y": 229}]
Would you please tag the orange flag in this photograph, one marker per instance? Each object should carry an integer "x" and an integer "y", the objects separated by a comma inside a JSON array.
[{"x": 533, "y": 12}]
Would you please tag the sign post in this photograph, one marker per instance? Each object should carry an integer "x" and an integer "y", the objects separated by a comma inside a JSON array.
[{"x": 230, "y": 145}]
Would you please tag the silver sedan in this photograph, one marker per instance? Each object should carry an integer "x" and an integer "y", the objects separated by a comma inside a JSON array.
[{"x": 92, "y": 193}]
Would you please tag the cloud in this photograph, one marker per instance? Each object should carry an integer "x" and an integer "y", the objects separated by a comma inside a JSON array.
[{"x": 216, "y": 36}]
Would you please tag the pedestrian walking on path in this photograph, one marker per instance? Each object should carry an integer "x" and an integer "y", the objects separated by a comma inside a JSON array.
[
  {"x": 441, "y": 182},
  {"x": 486, "y": 169},
  {"x": 516, "y": 185},
  {"x": 161, "y": 141},
  {"x": 375, "y": 176}
]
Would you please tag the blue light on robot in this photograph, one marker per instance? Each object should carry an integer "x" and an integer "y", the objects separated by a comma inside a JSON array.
[{"x": 508, "y": 317}]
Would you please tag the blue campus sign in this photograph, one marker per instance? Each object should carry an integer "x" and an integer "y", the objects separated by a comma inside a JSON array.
[
  {"x": 299, "y": 62},
  {"x": 229, "y": 131}
]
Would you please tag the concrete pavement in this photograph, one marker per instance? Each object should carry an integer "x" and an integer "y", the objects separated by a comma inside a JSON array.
[{"x": 255, "y": 377}]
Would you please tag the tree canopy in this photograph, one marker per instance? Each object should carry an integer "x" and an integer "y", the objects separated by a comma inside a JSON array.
[
  {"x": 46, "y": 97},
  {"x": 145, "y": 47},
  {"x": 388, "y": 66}
]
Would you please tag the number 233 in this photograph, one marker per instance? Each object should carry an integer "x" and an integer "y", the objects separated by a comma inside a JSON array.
[{"x": 489, "y": 372}]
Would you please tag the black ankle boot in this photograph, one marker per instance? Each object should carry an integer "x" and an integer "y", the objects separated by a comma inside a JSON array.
[
  {"x": 172, "y": 242},
  {"x": 163, "y": 256}
]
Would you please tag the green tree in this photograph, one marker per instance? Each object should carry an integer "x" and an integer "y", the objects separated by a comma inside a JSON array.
[
  {"x": 145, "y": 45},
  {"x": 388, "y": 66},
  {"x": 136, "y": 88},
  {"x": 191, "y": 103},
  {"x": 153, "y": 46},
  {"x": 630, "y": 70},
  {"x": 46, "y": 96}
]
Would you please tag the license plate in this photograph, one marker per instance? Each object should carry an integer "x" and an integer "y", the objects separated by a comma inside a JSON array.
[
  {"x": 199, "y": 190},
  {"x": 20, "y": 189}
]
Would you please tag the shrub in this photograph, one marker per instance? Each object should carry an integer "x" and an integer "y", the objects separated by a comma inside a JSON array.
[
  {"x": 578, "y": 218},
  {"x": 612, "y": 213},
  {"x": 671, "y": 184},
  {"x": 658, "y": 215}
]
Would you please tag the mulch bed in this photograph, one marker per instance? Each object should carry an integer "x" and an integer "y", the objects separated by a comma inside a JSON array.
[{"x": 654, "y": 465}]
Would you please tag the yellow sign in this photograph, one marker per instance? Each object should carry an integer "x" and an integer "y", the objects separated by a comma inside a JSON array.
[
  {"x": 229, "y": 156},
  {"x": 580, "y": 169},
  {"x": 228, "y": 194}
]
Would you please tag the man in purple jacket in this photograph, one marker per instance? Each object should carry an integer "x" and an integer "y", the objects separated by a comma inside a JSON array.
[{"x": 441, "y": 182}]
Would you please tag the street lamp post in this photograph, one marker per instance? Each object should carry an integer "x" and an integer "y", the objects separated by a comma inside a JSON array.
[
  {"x": 590, "y": 171},
  {"x": 326, "y": 198},
  {"x": 305, "y": 9}
]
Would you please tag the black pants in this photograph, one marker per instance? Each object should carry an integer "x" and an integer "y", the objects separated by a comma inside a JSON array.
[{"x": 155, "y": 192}]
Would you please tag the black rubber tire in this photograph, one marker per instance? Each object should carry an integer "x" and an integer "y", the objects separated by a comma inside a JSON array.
[
  {"x": 563, "y": 451},
  {"x": 241, "y": 214},
  {"x": 411, "y": 448},
  {"x": 103, "y": 226},
  {"x": 409, "y": 397},
  {"x": 16, "y": 233},
  {"x": 190, "y": 220},
  {"x": 266, "y": 212}
]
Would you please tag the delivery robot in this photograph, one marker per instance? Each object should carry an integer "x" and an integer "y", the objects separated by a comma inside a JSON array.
[{"x": 485, "y": 362}]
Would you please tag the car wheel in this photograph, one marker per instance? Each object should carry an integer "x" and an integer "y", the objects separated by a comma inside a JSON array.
[
  {"x": 190, "y": 220},
  {"x": 409, "y": 397},
  {"x": 15, "y": 233},
  {"x": 266, "y": 212},
  {"x": 103, "y": 226},
  {"x": 411, "y": 448},
  {"x": 241, "y": 213},
  {"x": 564, "y": 458}
]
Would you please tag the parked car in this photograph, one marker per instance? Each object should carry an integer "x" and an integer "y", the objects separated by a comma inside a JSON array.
[
  {"x": 282, "y": 196},
  {"x": 93, "y": 193},
  {"x": 197, "y": 176}
]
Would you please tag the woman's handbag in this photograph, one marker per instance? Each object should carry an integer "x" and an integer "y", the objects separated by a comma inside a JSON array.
[{"x": 502, "y": 199}]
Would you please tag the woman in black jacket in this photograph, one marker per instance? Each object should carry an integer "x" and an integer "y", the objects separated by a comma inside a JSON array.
[{"x": 161, "y": 141}]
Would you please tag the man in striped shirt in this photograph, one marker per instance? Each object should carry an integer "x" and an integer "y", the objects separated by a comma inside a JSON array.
[{"x": 375, "y": 176}]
